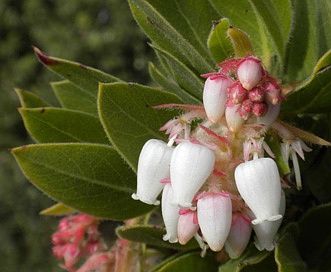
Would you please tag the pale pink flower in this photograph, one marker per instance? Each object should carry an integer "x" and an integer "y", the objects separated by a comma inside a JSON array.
[
  {"x": 187, "y": 225},
  {"x": 249, "y": 72},
  {"x": 214, "y": 216}
]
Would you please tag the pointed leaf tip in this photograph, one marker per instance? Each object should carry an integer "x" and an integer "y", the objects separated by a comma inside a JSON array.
[{"x": 44, "y": 58}]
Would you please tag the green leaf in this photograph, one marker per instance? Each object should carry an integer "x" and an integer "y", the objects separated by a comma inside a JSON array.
[
  {"x": 127, "y": 114},
  {"x": 242, "y": 15},
  {"x": 287, "y": 255},
  {"x": 58, "y": 209},
  {"x": 184, "y": 77},
  {"x": 314, "y": 241},
  {"x": 89, "y": 178},
  {"x": 152, "y": 235},
  {"x": 241, "y": 43},
  {"x": 276, "y": 17},
  {"x": 157, "y": 27},
  {"x": 30, "y": 100},
  {"x": 170, "y": 85},
  {"x": 219, "y": 43},
  {"x": 314, "y": 94},
  {"x": 310, "y": 38},
  {"x": 74, "y": 98},
  {"x": 48, "y": 125},
  {"x": 187, "y": 263},
  {"x": 86, "y": 78},
  {"x": 251, "y": 256}
]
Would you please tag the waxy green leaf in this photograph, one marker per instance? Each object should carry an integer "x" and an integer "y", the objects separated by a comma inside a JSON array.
[
  {"x": 51, "y": 125},
  {"x": 89, "y": 178},
  {"x": 86, "y": 78},
  {"x": 310, "y": 38},
  {"x": 74, "y": 98},
  {"x": 188, "y": 262},
  {"x": 171, "y": 86},
  {"x": 219, "y": 42},
  {"x": 314, "y": 94},
  {"x": 160, "y": 30},
  {"x": 152, "y": 235},
  {"x": 30, "y": 100},
  {"x": 127, "y": 114},
  {"x": 241, "y": 43},
  {"x": 181, "y": 74}
]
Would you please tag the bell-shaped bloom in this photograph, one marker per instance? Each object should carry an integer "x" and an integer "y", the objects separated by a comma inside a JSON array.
[
  {"x": 190, "y": 166},
  {"x": 187, "y": 225},
  {"x": 153, "y": 166},
  {"x": 170, "y": 214},
  {"x": 214, "y": 217},
  {"x": 258, "y": 183},
  {"x": 215, "y": 94},
  {"x": 249, "y": 72},
  {"x": 233, "y": 118},
  {"x": 239, "y": 235},
  {"x": 272, "y": 92},
  {"x": 266, "y": 231}
]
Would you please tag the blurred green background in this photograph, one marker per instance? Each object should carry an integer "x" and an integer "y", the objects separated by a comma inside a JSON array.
[{"x": 98, "y": 33}]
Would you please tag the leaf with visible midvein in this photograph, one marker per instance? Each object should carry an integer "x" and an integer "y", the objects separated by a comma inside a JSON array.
[
  {"x": 219, "y": 42},
  {"x": 51, "y": 125},
  {"x": 165, "y": 35},
  {"x": 313, "y": 95},
  {"x": 184, "y": 77},
  {"x": 72, "y": 97},
  {"x": 85, "y": 77},
  {"x": 170, "y": 85},
  {"x": 127, "y": 114},
  {"x": 310, "y": 38},
  {"x": 90, "y": 178}
]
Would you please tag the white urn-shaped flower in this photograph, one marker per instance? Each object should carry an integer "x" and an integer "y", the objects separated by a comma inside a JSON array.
[
  {"x": 190, "y": 166},
  {"x": 214, "y": 216},
  {"x": 258, "y": 183},
  {"x": 153, "y": 166},
  {"x": 215, "y": 95},
  {"x": 170, "y": 214}
]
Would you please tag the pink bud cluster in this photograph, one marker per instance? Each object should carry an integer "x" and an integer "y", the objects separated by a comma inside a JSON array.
[
  {"x": 244, "y": 92},
  {"x": 78, "y": 237},
  {"x": 217, "y": 183}
]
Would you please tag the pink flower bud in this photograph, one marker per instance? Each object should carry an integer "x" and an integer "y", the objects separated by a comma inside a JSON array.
[
  {"x": 237, "y": 93},
  {"x": 270, "y": 116},
  {"x": 239, "y": 235},
  {"x": 187, "y": 226},
  {"x": 259, "y": 108},
  {"x": 246, "y": 109},
  {"x": 233, "y": 119},
  {"x": 258, "y": 183},
  {"x": 190, "y": 166},
  {"x": 153, "y": 166},
  {"x": 256, "y": 94},
  {"x": 249, "y": 72},
  {"x": 214, "y": 216},
  {"x": 272, "y": 92},
  {"x": 170, "y": 214},
  {"x": 215, "y": 96}
]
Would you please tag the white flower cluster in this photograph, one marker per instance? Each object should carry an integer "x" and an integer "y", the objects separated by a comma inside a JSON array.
[{"x": 217, "y": 184}]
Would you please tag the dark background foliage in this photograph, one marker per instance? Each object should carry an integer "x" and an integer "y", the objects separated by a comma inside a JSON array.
[{"x": 98, "y": 33}]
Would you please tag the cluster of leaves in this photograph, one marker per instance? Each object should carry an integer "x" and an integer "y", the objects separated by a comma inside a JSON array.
[
  {"x": 87, "y": 151},
  {"x": 96, "y": 32}
]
